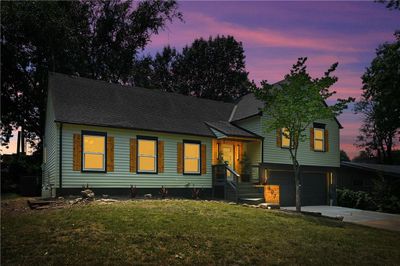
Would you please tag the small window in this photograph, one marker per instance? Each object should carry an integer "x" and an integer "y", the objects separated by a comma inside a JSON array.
[
  {"x": 285, "y": 138},
  {"x": 191, "y": 155},
  {"x": 93, "y": 151},
  {"x": 147, "y": 155},
  {"x": 319, "y": 142}
]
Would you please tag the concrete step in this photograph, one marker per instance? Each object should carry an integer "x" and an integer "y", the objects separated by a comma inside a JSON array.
[{"x": 251, "y": 200}]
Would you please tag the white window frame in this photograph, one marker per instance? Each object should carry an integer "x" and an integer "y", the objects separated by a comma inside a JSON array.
[
  {"x": 97, "y": 153},
  {"x": 155, "y": 140},
  {"x": 316, "y": 139},
  {"x": 192, "y": 158}
]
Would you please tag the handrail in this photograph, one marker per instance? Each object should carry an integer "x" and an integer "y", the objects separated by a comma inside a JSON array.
[{"x": 235, "y": 174}]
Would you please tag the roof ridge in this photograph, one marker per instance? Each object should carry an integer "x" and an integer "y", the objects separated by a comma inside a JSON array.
[{"x": 117, "y": 85}]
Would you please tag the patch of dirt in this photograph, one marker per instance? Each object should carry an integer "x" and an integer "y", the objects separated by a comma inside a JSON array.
[{"x": 18, "y": 205}]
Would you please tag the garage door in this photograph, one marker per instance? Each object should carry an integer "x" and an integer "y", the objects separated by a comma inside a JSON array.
[
  {"x": 285, "y": 180},
  {"x": 314, "y": 189}
]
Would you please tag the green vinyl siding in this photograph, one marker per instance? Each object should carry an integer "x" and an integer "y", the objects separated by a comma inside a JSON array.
[
  {"x": 50, "y": 163},
  {"x": 274, "y": 154},
  {"x": 252, "y": 149},
  {"x": 121, "y": 177}
]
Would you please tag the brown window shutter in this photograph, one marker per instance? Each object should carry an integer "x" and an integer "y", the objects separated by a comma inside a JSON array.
[
  {"x": 203, "y": 159},
  {"x": 77, "y": 153},
  {"x": 133, "y": 154},
  {"x": 326, "y": 138},
  {"x": 279, "y": 137},
  {"x": 110, "y": 154},
  {"x": 179, "y": 159},
  {"x": 214, "y": 151},
  {"x": 160, "y": 156},
  {"x": 312, "y": 138}
]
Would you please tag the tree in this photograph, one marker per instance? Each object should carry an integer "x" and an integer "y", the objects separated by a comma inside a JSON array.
[
  {"x": 95, "y": 39},
  {"x": 212, "y": 69},
  {"x": 344, "y": 157},
  {"x": 163, "y": 70},
  {"x": 364, "y": 157},
  {"x": 391, "y": 4},
  {"x": 379, "y": 103},
  {"x": 295, "y": 104}
]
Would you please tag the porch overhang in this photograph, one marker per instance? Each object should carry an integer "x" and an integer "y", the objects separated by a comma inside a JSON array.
[{"x": 226, "y": 130}]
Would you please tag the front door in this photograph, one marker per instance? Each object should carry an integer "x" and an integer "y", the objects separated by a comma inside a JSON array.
[{"x": 227, "y": 154}]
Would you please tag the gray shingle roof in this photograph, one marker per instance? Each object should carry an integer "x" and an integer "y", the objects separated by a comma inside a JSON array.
[
  {"x": 230, "y": 130},
  {"x": 90, "y": 102},
  {"x": 384, "y": 168},
  {"x": 247, "y": 106}
]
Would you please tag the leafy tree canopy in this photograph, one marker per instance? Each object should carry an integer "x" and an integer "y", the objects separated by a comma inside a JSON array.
[
  {"x": 391, "y": 4},
  {"x": 295, "y": 103},
  {"x": 344, "y": 157},
  {"x": 212, "y": 69},
  {"x": 380, "y": 102}
]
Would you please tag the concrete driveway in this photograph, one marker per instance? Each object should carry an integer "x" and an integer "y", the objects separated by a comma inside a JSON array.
[{"x": 368, "y": 218}]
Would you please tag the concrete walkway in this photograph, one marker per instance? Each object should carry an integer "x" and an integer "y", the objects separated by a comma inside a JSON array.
[{"x": 368, "y": 218}]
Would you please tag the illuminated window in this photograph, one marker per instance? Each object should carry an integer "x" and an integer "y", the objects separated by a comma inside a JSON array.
[
  {"x": 285, "y": 138},
  {"x": 93, "y": 151},
  {"x": 319, "y": 139},
  {"x": 191, "y": 155},
  {"x": 147, "y": 155}
]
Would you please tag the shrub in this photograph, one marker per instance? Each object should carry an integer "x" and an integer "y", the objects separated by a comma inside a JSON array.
[{"x": 355, "y": 199}]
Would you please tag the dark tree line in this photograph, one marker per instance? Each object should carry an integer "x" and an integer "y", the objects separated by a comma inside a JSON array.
[{"x": 212, "y": 69}]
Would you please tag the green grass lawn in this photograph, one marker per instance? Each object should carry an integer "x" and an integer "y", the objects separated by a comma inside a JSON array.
[{"x": 187, "y": 232}]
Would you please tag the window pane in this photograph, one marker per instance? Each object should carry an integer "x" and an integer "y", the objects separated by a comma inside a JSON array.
[
  {"x": 318, "y": 145},
  {"x": 93, "y": 161},
  {"x": 192, "y": 150},
  {"x": 93, "y": 143},
  {"x": 318, "y": 133},
  {"x": 147, "y": 147},
  {"x": 192, "y": 166},
  {"x": 285, "y": 140},
  {"x": 147, "y": 164}
]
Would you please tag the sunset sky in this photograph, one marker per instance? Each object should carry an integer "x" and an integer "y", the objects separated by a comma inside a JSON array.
[{"x": 275, "y": 34}]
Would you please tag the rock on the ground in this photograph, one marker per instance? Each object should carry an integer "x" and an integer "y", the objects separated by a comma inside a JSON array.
[
  {"x": 148, "y": 196},
  {"x": 87, "y": 194}
]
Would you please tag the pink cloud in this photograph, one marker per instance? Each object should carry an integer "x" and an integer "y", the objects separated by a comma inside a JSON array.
[{"x": 200, "y": 25}]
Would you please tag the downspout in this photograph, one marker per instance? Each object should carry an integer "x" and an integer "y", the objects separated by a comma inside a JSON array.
[{"x": 60, "y": 157}]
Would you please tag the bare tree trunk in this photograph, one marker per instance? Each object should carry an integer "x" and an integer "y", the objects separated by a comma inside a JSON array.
[
  {"x": 298, "y": 186},
  {"x": 296, "y": 170}
]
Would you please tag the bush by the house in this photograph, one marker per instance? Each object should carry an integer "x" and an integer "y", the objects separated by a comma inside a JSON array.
[
  {"x": 384, "y": 197},
  {"x": 355, "y": 199}
]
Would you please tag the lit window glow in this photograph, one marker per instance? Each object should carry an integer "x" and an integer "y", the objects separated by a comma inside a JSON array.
[
  {"x": 94, "y": 152},
  {"x": 319, "y": 139},
  {"x": 285, "y": 138},
  {"x": 192, "y": 158},
  {"x": 147, "y": 155}
]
